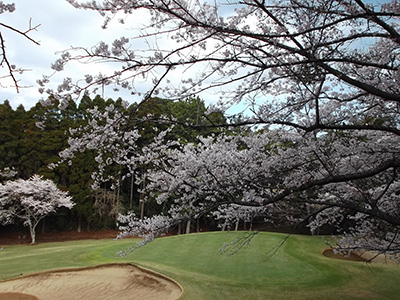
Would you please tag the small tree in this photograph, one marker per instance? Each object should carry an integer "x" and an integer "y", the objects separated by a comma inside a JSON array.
[{"x": 30, "y": 201}]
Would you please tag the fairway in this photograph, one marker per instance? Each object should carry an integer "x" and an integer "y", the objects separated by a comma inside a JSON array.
[{"x": 296, "y": 270}]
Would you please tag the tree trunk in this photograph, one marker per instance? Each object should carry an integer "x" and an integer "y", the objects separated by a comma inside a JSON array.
[
  {"x": 43, "y": 226},
  {"x": 32, "y": 231},
  {"x": 237, "y": 224},
  {"x": 142, "y": 201},
  {"x": 79, "y": 223},
  {"x": 310, "y": 219},
  {"x": 117, "y": 201},
  {"x": 33, "y": 237},
  {"x": 188, "y": 227},
  {"x": 131, "y": 193},
  {"x": 141, "y": 205},
  {"x": 224, "y": 226}
]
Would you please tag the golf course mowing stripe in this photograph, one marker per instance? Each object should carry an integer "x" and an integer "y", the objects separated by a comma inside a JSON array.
[{"x": 296, "y": 270}]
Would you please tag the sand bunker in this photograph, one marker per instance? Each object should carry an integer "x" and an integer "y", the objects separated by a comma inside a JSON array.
[
  {"x": 354, "y": 256},
  {"x": 17, "y": 296},
  {"x": 365, "y": 256},
  {"x": 114, "y": 281}
]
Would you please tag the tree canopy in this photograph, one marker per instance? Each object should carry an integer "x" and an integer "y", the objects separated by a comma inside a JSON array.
[
  {"x": 30, "y": 201},
  {"x": 322, "y": 77}
]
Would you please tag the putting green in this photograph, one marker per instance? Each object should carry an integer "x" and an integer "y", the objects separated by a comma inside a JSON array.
[{"x": 297, "y": 269}]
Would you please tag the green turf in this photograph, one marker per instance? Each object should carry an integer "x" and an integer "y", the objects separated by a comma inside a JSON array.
[{"x": 297, "y": 270}]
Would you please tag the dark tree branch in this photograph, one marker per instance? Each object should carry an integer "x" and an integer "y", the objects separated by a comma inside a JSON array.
[
  {"x": 287, "y": 192},
  {"x": 11, "y": 68}
]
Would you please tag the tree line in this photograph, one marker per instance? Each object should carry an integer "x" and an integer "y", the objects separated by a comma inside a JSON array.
[{"x": 31, "y": 140}]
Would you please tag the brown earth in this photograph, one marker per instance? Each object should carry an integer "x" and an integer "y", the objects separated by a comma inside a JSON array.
[
  {"x": 104, "y": 282},
  {"x": 12, "y": 238}
]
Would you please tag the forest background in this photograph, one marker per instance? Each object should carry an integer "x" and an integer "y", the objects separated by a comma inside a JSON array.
[{"x": 31, "y": 140}]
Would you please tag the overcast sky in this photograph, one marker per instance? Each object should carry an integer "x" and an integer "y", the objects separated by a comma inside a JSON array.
[{"x": 61, "y": 27}]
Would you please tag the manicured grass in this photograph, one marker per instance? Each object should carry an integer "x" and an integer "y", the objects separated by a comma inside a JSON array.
[{"x": 297, "y": 270}]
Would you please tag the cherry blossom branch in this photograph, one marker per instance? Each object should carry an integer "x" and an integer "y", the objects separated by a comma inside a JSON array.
[{"x": 24, "y": 33}]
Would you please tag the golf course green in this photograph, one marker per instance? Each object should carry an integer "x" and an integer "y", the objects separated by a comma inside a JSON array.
[{"x": 296, "y": 270}]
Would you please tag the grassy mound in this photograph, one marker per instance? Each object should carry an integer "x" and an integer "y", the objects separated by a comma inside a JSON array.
[{"x": 296, "y": 270}]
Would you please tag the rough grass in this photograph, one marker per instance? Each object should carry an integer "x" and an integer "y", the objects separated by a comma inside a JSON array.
[{"x": 297, "y": 270}]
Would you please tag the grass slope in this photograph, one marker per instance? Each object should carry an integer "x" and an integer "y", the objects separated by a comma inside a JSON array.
[{"x": 297, "y": 270}]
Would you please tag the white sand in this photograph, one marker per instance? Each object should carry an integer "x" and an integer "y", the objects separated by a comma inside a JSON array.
[{"x": 115, "y": 281}]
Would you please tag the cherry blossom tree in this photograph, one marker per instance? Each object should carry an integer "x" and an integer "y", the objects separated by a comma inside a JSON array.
[
  {"x": 320, "y": 77},
  {"x": 7, "y": 173},
  {"x": 30, "y": 201},
  {"x": 302, "y": 178},
  {"x": 11, "y": 69}
]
